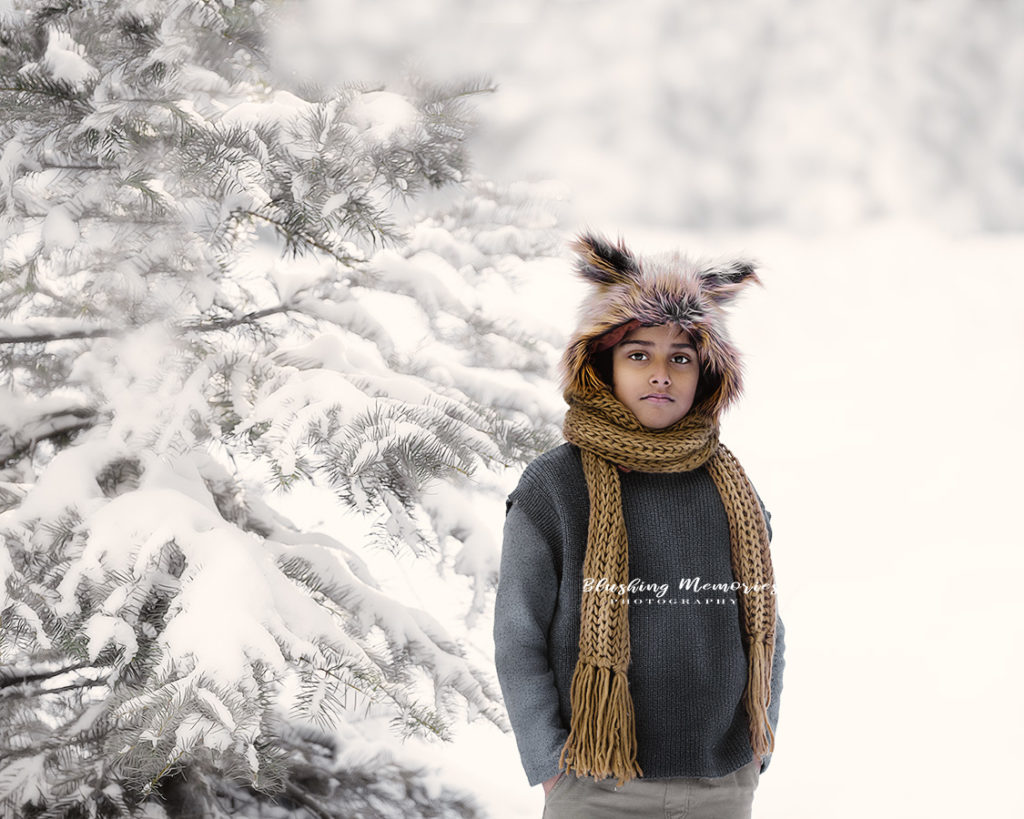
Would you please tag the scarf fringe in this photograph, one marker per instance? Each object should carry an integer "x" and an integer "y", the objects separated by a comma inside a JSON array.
[
  {"x": 602, "y": 734},
  {"x": 759, "y": 697}
]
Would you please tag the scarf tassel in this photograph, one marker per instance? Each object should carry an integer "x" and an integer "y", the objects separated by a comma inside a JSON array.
[
  {"x": 759, "y": 695},
  {"x": 602, "y": 733}
]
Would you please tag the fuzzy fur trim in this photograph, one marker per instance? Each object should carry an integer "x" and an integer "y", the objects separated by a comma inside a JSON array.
[{"x": 664, "y": 288}]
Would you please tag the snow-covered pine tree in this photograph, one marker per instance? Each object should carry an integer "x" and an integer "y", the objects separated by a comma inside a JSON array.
[{"x": 171, "y": 643}]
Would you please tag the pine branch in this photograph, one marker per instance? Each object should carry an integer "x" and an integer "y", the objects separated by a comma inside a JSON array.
[
  {"x": 227, "y": 323},
  {"x": 75, "y": 686},
  {"x": 214, "y": 325},
  {"x": 66, "y": 336},
  {"x": 76, "y": 167},
  {"x": 305, "y": 799},
  {"x": 210, "y": 326},
  {"x": 13, "y": 444},
  {"x": 52, "y": 88},
  {"x": 294, "y": 237},
  {"x": 9, "y": 678}
]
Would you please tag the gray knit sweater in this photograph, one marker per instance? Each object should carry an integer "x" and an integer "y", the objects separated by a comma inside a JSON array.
[{"x": 688, "y": 665}]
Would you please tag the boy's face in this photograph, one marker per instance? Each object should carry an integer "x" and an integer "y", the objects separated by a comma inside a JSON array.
[{"x": 655, "y": 373}]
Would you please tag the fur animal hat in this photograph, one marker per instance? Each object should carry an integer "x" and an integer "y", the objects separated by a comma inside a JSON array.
[{"x": 667, "y": 288}]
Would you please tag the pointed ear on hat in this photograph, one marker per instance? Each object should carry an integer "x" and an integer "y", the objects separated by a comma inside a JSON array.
[
  {"x": 601, "y": 262},
  {"x": 722, "y": 281}
]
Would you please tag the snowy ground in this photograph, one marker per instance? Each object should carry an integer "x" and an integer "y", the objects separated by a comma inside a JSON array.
[{"x": 881, "y": 427}]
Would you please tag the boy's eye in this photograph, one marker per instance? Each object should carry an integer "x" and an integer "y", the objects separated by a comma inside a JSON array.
[{"x": 682, "y": 358}]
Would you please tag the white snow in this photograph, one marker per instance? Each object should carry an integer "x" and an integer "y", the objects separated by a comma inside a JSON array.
[
  {"x": 102, "y": 629},
  {"x": 304, "y": 393},
  {"x": 426, "y": 277},
  {"x": 6, "y": 571},
  {"x": 333, "y": 203},
  {"x": 65, "y": 60},
  {"x": 68, "y": 483},
  {"x": 382, "y": 116},
  {"x": 222, "y": 712},
  {"x": 27, "y": 770},
  {"x": 344, "y": 352},
  {"x": 18, "y": 412},
  {"x": 281, "y": 107},
  {"x": 59, "y": 229}
]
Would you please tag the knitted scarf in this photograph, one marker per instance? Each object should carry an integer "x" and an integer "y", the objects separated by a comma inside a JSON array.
[{"x": 602, "y": 737}]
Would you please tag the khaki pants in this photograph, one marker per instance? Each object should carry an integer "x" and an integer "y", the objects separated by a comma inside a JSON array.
[{"x": 722, "y": 797}]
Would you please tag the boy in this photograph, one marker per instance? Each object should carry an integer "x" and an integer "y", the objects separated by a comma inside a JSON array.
[{"x": 637, "y": 640}]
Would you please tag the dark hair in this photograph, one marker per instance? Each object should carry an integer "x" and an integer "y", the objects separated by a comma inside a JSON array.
[
  {"x": 706, "y": 385},
  {"x": 602, "y": 362}
]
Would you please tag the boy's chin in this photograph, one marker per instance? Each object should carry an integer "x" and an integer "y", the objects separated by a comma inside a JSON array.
[{"x": 658, "y": 424}]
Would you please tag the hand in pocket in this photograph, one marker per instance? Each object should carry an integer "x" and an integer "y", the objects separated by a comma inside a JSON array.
[{"x": 550, "y": 783}]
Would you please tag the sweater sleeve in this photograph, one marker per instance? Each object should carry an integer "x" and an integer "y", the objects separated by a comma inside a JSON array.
[
  {"x": 778, "y": 659},
  {"x": 524, "y": 604},
  {"x": 767, "y": 516},
  {"x": 778, "y": 666}
]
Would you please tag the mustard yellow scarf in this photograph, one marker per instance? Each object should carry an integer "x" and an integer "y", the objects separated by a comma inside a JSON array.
[{"x": 602, "y": 736}]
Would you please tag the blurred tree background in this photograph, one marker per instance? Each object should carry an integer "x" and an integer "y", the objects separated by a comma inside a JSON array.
[{"x": 799, "y": 114}]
